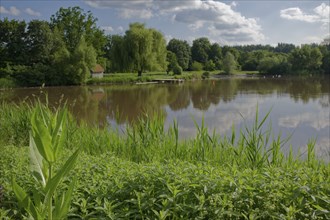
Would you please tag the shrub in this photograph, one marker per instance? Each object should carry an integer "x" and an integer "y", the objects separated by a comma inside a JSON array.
[
  {"x": 177, "y": 70},
  {"x": 210, "y": 66},
  {"x": 206, "y": 75},
  {"x": 196, "y": 66}
]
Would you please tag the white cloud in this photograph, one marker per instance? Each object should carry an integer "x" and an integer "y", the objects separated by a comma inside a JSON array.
[
  {"x": 107, "y": 28},
  {"x": 11, "y": 11},
  {"x": 220, "y": 20},
  {"x": 317, "y": 121},
  {"x": 120, "y": 29},
  {"x": 31, "y": 12},
  {"x": 321, "y": 14}
]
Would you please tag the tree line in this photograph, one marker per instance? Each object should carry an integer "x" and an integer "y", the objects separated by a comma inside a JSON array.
[{"x": 65, "y": 49}]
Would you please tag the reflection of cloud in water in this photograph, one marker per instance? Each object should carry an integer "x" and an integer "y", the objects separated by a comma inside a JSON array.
[
  {"x": 322, "y": 149},
  {"x": 317, "y": 120},
  {"x": 220, "y": 117}
]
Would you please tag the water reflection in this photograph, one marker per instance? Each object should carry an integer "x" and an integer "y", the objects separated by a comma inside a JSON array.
[{"x": 300, "y": 105}]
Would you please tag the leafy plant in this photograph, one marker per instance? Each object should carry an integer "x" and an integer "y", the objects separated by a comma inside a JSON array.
[{"x": 46, "y": 144}]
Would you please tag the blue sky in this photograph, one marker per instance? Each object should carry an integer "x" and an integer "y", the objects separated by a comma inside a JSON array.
[{"x": 225, "y": 22}]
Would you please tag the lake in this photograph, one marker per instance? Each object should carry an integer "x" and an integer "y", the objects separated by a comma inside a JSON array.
[{"x": 299, "y": 106}]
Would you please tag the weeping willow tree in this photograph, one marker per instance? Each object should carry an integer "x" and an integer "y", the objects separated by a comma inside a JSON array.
[{"x": 145, "y": 49}]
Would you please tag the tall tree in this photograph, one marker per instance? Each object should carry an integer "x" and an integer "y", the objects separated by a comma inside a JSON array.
[
  {"x": 159, "y": 51},
  {"x": 182, "y": 51},
  {"x": 12, "y": 42},
  {"x": 229, "y": 63},
  {"x": 39, "y": 42},
  {"x": 73, "y": 23},
  {"x": 145, "y": 47},
  {"x": 306, "y": 59},
  {"x": 200, "y": 50}
]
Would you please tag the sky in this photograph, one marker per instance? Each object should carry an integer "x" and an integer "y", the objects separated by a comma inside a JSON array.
[{"x": 226, "y": 22}]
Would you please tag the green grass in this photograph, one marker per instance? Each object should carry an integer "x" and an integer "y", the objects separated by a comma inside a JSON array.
[{"x": 147, "y": 173}]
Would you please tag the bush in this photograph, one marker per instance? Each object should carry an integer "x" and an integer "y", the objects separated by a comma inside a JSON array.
[
  {"x": 210, "y": 66},
  {"x": 196, "y": 66},
  {"x": 177, "y": 70},
  {"x": 205, "y": 75},
  {"x": 6, "y": 83}
]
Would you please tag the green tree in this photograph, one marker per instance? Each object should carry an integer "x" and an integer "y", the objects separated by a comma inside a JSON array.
[
  {"x": 39, "y": 42},
  {"x": 229, "y": 63},
  {"x": 182, "y": 51},
  {"x": 200, "y": 50},
  {"x": 275, "y": 64},
  {"x": 215, "y": 52},
  {"x": 196, "y": 66},
  {"x": 159, "y": 51},
  {"x": 12, "y": 42},
  {"x": 73, "y": 23},
  {"x": 306, "y": 59},
  {"x": 146, "y": 48},
  {"x": 171, "y": 61}
]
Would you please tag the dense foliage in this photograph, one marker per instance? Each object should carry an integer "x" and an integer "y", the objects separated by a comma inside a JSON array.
[
  {"x": 64, "y": 50},
  {"x": 147, "y": 173}
]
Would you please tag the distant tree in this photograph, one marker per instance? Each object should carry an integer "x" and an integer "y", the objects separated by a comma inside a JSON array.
[
  {"x": 182, "y": 51},
  {"x": 159, "y": 51},
  {"x": 146, "y": 48},
  {"x": 39, "y": 42},
  {"x": 73, "y": 23},
  {"x": 200, "y": 50},
  {"x": 250, "y": 60},
  {"x": 171, "y": 61},
  {"x": 177, "y": 70},
  {"x": 284, "y": 48},
  {"x": 276, "y": 64},
  {"x": 306, "y": 59},
  {"x": 115, "y": 51},
  {"x": 70, "y": 68},
  {"x": 215, "y": 52},
  {"x": 229, "y": 63},
  {"x": 210, "y": 66},
  {"x": 196, "y": 66},
  {"x": 12, "y": 42},
  {"x": 325, "y": 50}
]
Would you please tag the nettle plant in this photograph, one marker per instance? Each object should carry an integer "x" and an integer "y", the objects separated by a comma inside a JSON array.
[{"x": 47, "y": 139}]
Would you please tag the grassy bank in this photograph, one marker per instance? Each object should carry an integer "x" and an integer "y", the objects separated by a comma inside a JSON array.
[
  {"x": 147, "y": 173},
  {"x": 124, "y": 78}
]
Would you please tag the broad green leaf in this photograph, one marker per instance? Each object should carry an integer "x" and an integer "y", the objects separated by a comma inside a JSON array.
[
  {"x": 58, "y": 135},
  {"x": 25, "y": 202},
  {"x": 36, "y": 163},
  {"x": 65, "y": 169},
  {"x": 42, "y": 138},
  {"x": 61, "y": 210}
]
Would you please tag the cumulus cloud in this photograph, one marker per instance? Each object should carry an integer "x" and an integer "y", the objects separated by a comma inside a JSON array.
[
  {"x": 220, "y": 20},
  {"x": 321, "y": 14},
  {"x": 11, "y": 11},
  {"x": 107, "y": 28},
  {"x": 31, "y": 12}
]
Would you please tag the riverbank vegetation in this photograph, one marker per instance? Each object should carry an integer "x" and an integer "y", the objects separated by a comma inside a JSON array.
[
  {"x": 65, "y": 49},
  {"x": 146, "y": 172}
]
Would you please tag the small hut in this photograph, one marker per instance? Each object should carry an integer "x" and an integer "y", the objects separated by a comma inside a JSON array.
[{"x": 97, "y": 71}]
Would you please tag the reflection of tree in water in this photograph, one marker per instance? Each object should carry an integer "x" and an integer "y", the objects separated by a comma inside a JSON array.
[
  {"x": 305, "y": 89},
  {"x": 126, "y": 104},
  {"x": 179, "y": 96}
]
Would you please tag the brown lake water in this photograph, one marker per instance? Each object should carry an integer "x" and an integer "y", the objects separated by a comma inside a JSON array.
[{"x": 299, "y": 106}]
